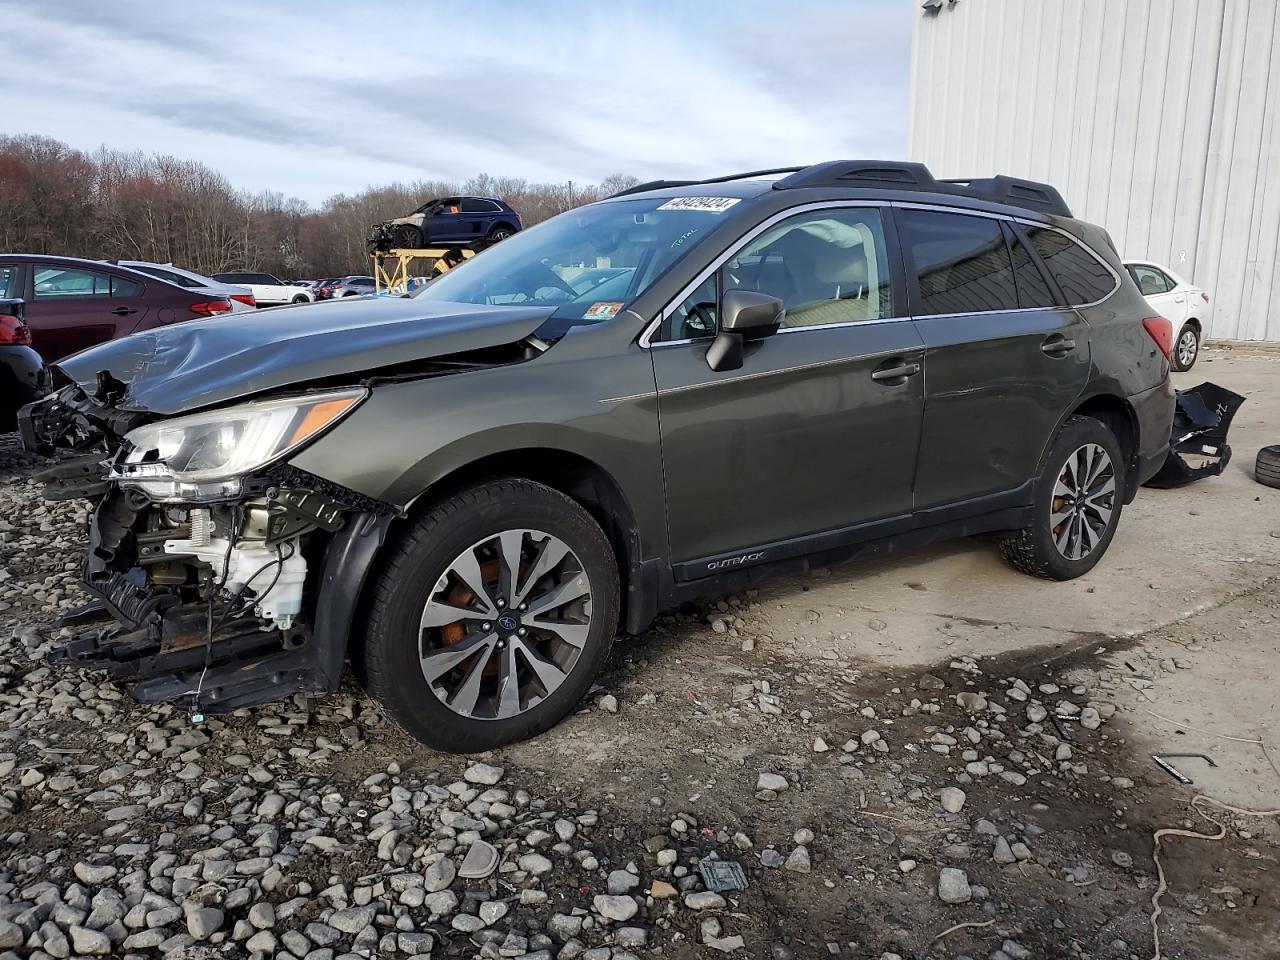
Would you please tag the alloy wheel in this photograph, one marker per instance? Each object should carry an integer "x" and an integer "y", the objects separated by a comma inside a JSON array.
[
  {"x": 500, "y": 235},
  {"x": 505, "y": 624},
  {"x": 1083, "y": 502},
  {"x": 1188, "y": 347}
]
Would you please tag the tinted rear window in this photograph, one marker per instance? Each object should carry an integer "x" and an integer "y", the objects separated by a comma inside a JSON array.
[
  {"x": 961, "y": 263},
  {"x": 1082, "y": 276}
]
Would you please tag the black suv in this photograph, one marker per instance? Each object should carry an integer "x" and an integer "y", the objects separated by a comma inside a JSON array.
[
  {"x": 448, "y": 221},
  {"x": 666, "y": 394}
]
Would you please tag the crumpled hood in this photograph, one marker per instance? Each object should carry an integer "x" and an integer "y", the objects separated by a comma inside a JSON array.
[{"x": 204, "y": 362}]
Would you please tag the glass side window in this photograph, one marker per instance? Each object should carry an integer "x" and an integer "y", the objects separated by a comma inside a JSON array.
[
  {"x": 1033, "y": 288},
  {"x": 120, "y": 287},
  {"x": 8, "y": 282},
  {"x": 696, "y": 318},
  {"x": 69, "y": 282},
  {"x": 827, "y": 267},
  {"x": 962, "y": 263},
  {"x": 169, "y": 275},
  {"x": 1150, "y": 280},
  {"x": 1082, "y": 277}
]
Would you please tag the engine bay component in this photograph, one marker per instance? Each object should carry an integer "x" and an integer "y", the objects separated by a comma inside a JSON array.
[{"x": 274, "y": 577}]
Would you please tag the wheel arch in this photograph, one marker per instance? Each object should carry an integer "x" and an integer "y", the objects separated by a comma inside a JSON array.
[
  {"x": 584, "y": 481},
  {"x": 1121, "y": 419}
]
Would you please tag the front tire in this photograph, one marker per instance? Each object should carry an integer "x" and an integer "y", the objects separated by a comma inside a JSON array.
[
  {"x": 493, "y": 615},
  {"x": 500, "y": 233},
  {"x": 1078, "y": 499},
  {"x": 1186, "y": 349},
  {"x": 407, "y": 236}
]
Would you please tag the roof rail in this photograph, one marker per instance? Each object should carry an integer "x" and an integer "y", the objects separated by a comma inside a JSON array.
[
  {"x": 1016, "y": 193},
  {"x": 650, "y": 185},
  {"x": 1028, "y": 194}
]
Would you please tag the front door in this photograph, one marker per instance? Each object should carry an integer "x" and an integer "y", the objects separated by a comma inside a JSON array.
[
  {"x": 817, "y": 432},
  {"x": 1006, "y": 361}
]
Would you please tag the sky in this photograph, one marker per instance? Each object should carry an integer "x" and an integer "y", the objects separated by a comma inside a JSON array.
[{"x": 322, "y": 98}]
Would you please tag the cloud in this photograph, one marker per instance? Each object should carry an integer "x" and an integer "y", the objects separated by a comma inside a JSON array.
[{"x": 324, "y": 98}]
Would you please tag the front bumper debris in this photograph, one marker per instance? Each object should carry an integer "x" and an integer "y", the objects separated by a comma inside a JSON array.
[
  {"x": 212, "y": 605},
  {"x": 1198, "y": 448}
]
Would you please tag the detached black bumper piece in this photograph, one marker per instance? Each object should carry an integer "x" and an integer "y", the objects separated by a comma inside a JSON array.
[{"x": 1198, "y": 449}]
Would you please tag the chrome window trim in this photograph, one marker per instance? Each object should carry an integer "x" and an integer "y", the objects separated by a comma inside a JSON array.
[
  {"x": 646, "y": 337},
  {"x": 816, "y": 326},
  {"x": 991, "y": 215}
]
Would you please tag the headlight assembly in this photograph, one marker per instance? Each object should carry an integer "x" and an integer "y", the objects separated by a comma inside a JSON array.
[{"x": 205, "y": 455}]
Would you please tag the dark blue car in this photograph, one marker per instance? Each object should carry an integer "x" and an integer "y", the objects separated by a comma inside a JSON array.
[{"x": 449, "y": 221}]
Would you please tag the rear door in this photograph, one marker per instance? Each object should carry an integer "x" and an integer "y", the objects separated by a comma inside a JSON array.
[
  {"x": 478, "y": 216},
  {"x": 70, "y": 309},
  {"x": 1006, "y": 360},
  {"x": 816, "y": 434}
]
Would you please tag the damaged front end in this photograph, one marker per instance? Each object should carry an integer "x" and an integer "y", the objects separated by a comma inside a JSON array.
[
  {"x": 230, "y": 575},
  {"x": 1198, "y": 447}
]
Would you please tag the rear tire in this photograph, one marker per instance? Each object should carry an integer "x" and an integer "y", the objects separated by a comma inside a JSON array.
[
  {"x": 1085, "y": 466},
  {"x": 1266, "y": 469},
  {"x": 301, "y": 299},
  {"x": 1186, "y": 349},
  {"x": 458, "y": 558}
]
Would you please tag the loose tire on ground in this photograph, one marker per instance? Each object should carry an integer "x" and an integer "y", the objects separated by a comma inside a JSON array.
[
  {"x": 1266, "y": 469},
  {"x": 420, "y": 578},
  {"x": 1035, "y": 549}
]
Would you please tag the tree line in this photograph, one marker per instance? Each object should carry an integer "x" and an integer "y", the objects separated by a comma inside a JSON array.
[{"x": 112, "y": 204}]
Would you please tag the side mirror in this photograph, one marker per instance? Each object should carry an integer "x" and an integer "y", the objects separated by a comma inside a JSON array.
[{"x": 744, "y": 316}]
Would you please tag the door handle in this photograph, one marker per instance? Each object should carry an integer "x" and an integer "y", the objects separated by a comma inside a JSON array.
[
  {"x": 123, "y": 311},
  {"x": 900, "y": 371},
  {"x": 1057, "y": 346}
]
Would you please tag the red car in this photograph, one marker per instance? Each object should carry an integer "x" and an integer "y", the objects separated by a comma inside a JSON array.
[{"x": 72, "y": 304}]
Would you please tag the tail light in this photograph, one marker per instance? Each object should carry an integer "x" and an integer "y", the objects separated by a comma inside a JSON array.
[
  {"x": 245, "y": 298},
  {"x": 211, "y": 308},
  {"x": 1161, "y": 331},
  {"x": 1204, "y": 296},
  {"x": 13, "y": 332}
]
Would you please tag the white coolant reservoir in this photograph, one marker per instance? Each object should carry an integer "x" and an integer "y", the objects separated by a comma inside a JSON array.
[{"x": 280, "y": 573}]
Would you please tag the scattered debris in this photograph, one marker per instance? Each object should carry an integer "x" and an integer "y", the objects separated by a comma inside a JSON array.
[{"x": 1162, "y": 761}]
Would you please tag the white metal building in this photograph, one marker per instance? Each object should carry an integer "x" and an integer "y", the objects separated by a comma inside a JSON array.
[{"x": 1158, "y": 119}]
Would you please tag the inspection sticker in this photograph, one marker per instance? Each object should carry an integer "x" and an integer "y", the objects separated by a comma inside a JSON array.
[
  {"x": 705, "y": 204},
  {"x": 602, "y": 310}
]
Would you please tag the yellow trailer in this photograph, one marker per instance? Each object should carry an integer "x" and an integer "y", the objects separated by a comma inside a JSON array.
[{"x": 391, "y": 279}]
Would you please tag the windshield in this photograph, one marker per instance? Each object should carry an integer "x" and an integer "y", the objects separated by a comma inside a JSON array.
[{"x": 589, "y": 263}]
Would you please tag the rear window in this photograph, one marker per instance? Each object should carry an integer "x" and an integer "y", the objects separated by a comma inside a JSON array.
[
  {"x": 120, "y": 287},
  {"x": 168, "y": 275},
  {"x": 1082, "y": 276},
  {"x": 962, "y": 264}
]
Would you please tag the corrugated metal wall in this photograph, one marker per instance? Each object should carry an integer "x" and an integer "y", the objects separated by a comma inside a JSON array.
[{"x": 1159, "y": 119}]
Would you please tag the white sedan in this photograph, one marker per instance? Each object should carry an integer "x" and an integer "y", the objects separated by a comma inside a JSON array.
[
  {"x": 1183, "y": 304},
  {"x": 268, "y": 290},
  {"x": 241, "y": 297}
]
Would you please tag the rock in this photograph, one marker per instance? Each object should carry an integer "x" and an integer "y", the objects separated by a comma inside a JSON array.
[
  {"x": 353, "y": 919},
  {"x": 94, "y": 876},
  {"x": 1121, "y": 859},
  {"x": 620, "y": 881},
  {"x": 798, "y": 862},
  {"x": 262, "y": 915},
  {"x": 772, "y": 781},
  {"x": 439, "y": 876},
  {"x": 491, "y": 911},
  {"x": 952, "y": 799},
  {"x": 536, "y": 864},
  {"x": 1090, "y": 719},
  {"x": 725, "y": 944},
  {"x": 1002, "y": 853},
  {"x": 615, "y": 907},
  {"x": 88, "y": 942},
  {"x": 820, "y": 745},
  {"x": 953, "y": 886},
  {"x": 906, "y": 866},
  {"x": 930, "y": 682},
  {"x": 11, "y": 935},
  {"x": 1121, "y": 783},
  {"x": 203, "y": 922},
  {"x": 971, "y": 702},
  {"x": 661, "y": 890},
  {"x": 483, "y": 773},
  {"x": 704, "y": 900},
  {"x": 1036, "y": 713},
  {"x": 264, "y": 941},
  {"x": 608, "y": 703}
]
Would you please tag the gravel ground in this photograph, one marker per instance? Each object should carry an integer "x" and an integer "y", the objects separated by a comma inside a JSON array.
[{"x": 869, "y": 809}]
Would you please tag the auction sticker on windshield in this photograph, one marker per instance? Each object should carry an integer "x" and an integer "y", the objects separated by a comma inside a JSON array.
[
  {"x": 704, "y": 204},
  {"x": 601, "y": 310}
]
